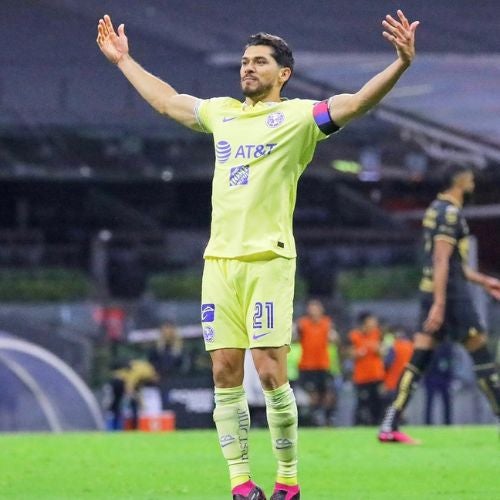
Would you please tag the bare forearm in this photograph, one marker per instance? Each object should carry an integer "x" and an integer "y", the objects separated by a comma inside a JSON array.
[
  {"x": 379, "y": 86},
  {"x": 345, "y": 107},
  {"x": 477, "y": 277},
  {"x": 155, "y": 91},
  {"x": 440, "y": 273}
]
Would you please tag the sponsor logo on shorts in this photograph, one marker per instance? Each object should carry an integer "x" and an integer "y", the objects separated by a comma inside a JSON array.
[
  {"x": 258, "y": 336},
  {"x": 282, "y": 443},
  {"x": 208, "y": 334},
  {"x": 275, "y": 119},
  {"x": 207, "y": 313},
  {"x": 226, "y": 440}
]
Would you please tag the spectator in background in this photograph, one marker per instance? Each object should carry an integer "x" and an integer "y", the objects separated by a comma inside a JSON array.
[
  {"x": 316, "y": 331},
  {"x": 111, "y": 321},
  {"x": 368, "y": 372},
  {"x": 126, "y": 383},
  {"x": 437, "y": 381},
  {"x": 166, "y": 356},
  {"x": 398, "y": 355}
]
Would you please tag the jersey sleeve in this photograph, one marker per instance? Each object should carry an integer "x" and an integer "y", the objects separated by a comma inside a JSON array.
[
  {"x": 205, "y": 111},
  {"x": 448, "y": 224},
  {"x": 323, "y": 121}
]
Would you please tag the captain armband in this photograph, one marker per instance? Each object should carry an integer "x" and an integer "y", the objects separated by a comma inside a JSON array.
[{"x": 321, "y": 114}]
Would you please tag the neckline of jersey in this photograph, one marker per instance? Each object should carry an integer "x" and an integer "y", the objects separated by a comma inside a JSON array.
[
  {"x": 451, "y": 199},
  {"x": 259, "y": 104}
]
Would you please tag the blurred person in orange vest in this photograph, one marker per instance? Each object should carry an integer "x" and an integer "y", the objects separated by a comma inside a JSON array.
[
  {"x": 398, "y": 355},
  {"x": 316, "y": 332},
  {"x": 368, "y": 372}
]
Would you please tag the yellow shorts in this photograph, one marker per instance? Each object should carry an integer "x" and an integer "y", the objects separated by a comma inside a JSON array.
[{"x": 247, "y": 302}]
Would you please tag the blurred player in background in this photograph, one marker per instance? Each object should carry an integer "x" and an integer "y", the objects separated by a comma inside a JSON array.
[
  {"x": 262, "y": 146},
  {"x": 446, "y": 304},
  {"x": 398, "y": 355},
  {"x": 316, "y": 332}
]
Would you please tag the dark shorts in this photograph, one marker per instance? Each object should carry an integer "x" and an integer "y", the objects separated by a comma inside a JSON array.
[
  {"x": 315, "y": 380},
  {"x": 461, "y": 319}
]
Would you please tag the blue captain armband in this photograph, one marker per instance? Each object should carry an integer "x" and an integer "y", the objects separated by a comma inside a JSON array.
[{"x": 321, "y": 114}]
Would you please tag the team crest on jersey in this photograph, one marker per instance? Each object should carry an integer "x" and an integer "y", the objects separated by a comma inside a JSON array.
[
  {"x": 238, "y": 176},
  {"x": 275, "y": 119},
  {"x": 208, "y": 334},
  {"x": 222, "y": 151}
]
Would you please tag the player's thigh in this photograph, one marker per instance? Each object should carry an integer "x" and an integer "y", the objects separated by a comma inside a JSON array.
[
  {"x": 222, "y": 317},
  {"x": 269, "y": 302},
  {"x": 462, "y": 320}
]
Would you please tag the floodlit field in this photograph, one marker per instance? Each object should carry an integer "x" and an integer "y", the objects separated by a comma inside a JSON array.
[{"x": 452, "y": 463}]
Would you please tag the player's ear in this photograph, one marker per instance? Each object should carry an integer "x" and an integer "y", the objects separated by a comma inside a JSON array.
[{"x": 285, "y": 74}]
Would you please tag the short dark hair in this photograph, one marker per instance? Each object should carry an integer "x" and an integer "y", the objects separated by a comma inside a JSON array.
[
  {"x": 281, "y": 51},
  {"x": 364, "y": 315},
  {"x": 450, "y": 173}
]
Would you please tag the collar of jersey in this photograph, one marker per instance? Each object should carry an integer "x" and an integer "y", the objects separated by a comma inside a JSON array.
[
  {"x": 450, "y": 198},
  {"x": 261, "y": 104}
]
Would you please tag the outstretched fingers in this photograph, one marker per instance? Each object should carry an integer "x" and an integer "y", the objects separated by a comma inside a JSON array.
[
  {"x": 392, "y": 26},
  {"x": 399, "y": 32},
  {"x": 403, "y": 19},
  {"x": 109, "y": 24},
  {"x": 101, "y": 36}
]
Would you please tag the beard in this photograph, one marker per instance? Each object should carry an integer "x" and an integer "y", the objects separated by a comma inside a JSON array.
[{"x": 261, "y": 90}]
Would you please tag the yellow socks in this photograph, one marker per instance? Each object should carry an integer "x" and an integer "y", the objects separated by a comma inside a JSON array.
[
  {"x": 282, "y": 418},
  {"x": 232, "y": 419}
]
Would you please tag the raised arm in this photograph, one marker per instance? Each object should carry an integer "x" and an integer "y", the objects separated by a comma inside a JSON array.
[
  {"x": 159, "y": 94},
  {"x": 344, "y": 107}
]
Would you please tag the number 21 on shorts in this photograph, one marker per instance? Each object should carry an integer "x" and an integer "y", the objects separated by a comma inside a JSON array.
[{"x": 263, "y": 314}]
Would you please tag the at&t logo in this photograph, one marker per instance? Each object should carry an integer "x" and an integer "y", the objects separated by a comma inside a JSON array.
[{"x": 222, "y": 151}]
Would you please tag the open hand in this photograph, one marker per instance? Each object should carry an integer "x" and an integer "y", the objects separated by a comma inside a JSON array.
[
  {"x": 492, "y": 286},
  {"x": 402, "y": 35},
  {"x": 113, "y": 46},
  {"x": 434, "y": 319}
]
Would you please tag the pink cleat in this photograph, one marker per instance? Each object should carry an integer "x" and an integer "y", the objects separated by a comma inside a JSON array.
[
  {"x": 396, "y": 437},
  {"x": 248, "y": 491},
  {"x": 285, "y": 492}
]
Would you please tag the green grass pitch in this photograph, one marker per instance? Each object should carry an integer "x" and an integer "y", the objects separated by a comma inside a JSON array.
[{"x": 345, "y": 464}]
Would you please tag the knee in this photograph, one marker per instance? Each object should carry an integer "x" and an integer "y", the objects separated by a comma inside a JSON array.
[
  {"x": 269, "y": 377},
  {"x": 227, "y": 373},
  {"x": 271, "y": 366}
]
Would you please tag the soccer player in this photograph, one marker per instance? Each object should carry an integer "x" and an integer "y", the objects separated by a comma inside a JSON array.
[
  {"x": 446, "y": 306},
  {"x": 262, "y": 146}
]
